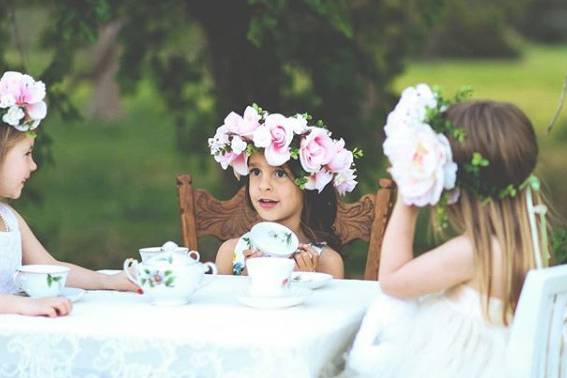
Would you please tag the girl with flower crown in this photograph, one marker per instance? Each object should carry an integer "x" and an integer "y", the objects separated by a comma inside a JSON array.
[
  {"x": 446, "y": 313},
  {"x": 22, "y": 109},
  {"x": 293, "y": 172}
]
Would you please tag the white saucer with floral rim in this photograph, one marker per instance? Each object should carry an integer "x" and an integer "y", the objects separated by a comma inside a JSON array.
[
  {"x": 71, "y": 293},
  {"x": 310, "y": 280}
]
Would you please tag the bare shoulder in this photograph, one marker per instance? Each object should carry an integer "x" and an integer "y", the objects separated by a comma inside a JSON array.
[
  {"x": 224, "y": 256},
  {"x": 331, "y": 262},
  {"x": 229, "y": 244}
]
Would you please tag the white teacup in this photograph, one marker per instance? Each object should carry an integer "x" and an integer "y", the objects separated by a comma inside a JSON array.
[
  {"x": 147, "y": 253},
  {"x": 40, "y": 281},
  {"x": 269, "y": 276}
]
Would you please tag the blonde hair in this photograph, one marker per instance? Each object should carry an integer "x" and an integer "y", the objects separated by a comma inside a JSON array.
[{"x": 504, "y": 135}]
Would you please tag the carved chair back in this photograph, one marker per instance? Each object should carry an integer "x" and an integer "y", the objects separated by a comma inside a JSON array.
[{"x": 202, "y": 214}]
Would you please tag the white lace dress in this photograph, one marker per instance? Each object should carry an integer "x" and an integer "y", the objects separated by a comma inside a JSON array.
[
  {"x": 439, "y": 336},
  {"x": 10, "y": 249}
]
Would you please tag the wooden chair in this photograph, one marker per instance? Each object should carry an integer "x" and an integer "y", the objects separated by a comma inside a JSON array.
[
  {"x": 202, "y": 214},
  {"x": 538, "y": 337}
]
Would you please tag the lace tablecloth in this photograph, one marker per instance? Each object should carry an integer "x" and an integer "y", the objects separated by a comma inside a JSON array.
[{"x": 113, "y": 334}]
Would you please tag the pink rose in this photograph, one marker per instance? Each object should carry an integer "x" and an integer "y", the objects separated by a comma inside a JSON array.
[
  {"x": 342, "y": 159},
  {"x": 318, "y": 180},
  {"x": 422, "y": 164},
  {"x": 316, "y": 149},
  {"x": 277, "y": 152}
]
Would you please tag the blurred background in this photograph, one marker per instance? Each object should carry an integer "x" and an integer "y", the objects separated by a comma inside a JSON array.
[{"x": 136, "y": 87}]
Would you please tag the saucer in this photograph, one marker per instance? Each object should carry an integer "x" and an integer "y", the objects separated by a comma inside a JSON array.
[
  {"x": 72, "y": 293},
  {"x": 310, "y": 280},
  {"x": 293, "y": 297}
]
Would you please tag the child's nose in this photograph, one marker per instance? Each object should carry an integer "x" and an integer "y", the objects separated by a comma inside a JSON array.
[
  {"x": 33, "y": 166},
  {"x": 265, "y": 183}
]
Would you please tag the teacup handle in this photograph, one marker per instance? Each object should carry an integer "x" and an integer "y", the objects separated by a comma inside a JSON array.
[
  {"x": 212, "y": 267},
  {"x": 194, "y": 255},
  {"x": 130, "y": 262}
]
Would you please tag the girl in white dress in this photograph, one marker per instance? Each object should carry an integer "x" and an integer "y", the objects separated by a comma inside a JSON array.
[
  {"x": 446, "y": 313},
  {"x": 21, "y": 110}
]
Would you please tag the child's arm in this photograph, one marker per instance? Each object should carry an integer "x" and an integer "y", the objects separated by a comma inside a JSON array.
[
  {"x": 33, "y": 252},
  {"x": 223, "y": 260},
  {"x": 54, "y": 306},
  {"x": 403, "y": 276}
]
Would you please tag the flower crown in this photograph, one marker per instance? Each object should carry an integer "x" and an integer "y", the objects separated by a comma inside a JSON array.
[
  {"x": 322, "y": 159},
  {"x": 420, "y": 154},
  {"x": 21, "y": 101}
]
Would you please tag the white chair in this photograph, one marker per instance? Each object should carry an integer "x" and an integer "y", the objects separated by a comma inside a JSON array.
[{"x": 537, "y": 347}]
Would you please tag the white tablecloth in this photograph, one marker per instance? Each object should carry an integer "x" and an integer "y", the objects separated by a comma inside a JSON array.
[{"x": 113, "y": 334}]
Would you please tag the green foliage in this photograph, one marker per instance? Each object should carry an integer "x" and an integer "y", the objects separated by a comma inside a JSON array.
[
  {"x": 476, "y": 29},
  {"x": 559, "y": 246}
]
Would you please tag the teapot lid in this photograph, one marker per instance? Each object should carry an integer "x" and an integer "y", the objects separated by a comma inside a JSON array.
[
  {"x": 172, "y": 254},
  {"x": 173, "y": 258}
]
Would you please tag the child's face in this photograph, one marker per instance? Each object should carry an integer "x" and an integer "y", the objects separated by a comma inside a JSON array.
[
  {"x": 16, "y": 168},
  {"x": 273, "y": 193}
]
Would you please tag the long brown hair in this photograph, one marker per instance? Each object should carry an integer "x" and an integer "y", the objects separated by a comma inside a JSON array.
[{"x": 503, "y": 134}]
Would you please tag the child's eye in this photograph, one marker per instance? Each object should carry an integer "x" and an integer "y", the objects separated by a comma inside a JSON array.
[
  {"x": 254, "y": 172},
  {"x": 281, "y": 173}
]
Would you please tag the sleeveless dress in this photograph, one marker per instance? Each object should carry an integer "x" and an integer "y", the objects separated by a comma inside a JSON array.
[
  {"x": 10, "y": 250},
  {"x": 440, "y": 335}
]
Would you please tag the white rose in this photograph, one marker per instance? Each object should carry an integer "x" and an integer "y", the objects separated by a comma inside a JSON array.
[
  {"x": 422, "y": 164},
  {"x": 13, "y": 115}
]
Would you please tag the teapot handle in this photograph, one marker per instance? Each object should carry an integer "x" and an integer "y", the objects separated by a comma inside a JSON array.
[
  {"x": 128, "y": 263},
  {"x": 211, "y": 266}
]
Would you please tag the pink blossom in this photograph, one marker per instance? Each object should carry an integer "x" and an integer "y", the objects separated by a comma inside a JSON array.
[
  {"x": 278, "y": 152},
  {"x": 316, "y": 149},
  {"x": 318, "y": 180},
  {"x": 239, "y": 162},
  {"x": 23, "y": 88},
  {"x": 243, "y": 126},
  {"x": 345, "y": 181},
  {"x": 342, "y": 159}
]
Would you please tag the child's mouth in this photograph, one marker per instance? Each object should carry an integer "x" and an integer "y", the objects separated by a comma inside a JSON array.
[{"x": 267, "y": 203}]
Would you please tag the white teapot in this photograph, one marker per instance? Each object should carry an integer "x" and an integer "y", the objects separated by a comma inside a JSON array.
[{"x": 169, "y": 278}]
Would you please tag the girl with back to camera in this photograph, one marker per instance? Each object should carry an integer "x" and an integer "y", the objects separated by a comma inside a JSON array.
[
  {"x": 446, "y": 313},
  {"x": 293, "y": 172},
  {"x": 22, "y": 109}
]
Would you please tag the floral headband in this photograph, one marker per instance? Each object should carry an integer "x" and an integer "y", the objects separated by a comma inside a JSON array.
[
  {"x": 322, "y": 159},
  {"x": 421, "y": 158},
  {"x": 21, "y": 101}
]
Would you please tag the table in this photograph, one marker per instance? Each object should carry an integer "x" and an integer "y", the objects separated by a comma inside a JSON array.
[{"x": 114, "y": 334}]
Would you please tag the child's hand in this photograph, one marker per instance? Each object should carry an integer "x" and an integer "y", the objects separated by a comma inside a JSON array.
[
  {"x": 306, "y": 258},
  {"x": 250, "y": 253},
  {"x": 120, "y": 282},
  {"x": 51, "y": 307}
]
